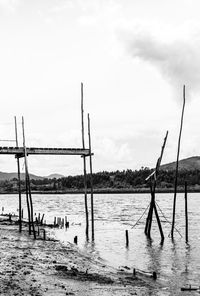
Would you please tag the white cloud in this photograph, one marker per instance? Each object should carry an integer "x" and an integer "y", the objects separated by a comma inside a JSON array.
[
  {"x": 174, "y": 52},
  {"x": 8, "y": 6}
]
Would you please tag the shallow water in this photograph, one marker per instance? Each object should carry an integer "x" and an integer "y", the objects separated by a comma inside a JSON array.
[{"x": 177, "y": 263}]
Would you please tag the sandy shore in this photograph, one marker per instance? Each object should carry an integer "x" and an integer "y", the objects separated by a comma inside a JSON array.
[{"x": 38, "y": 267}]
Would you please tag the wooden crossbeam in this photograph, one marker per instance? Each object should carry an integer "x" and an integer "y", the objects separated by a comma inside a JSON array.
[{"x": 19, "y": 151}]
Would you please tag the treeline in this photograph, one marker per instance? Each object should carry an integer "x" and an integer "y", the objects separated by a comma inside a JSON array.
[{"x": 126, "y": 179}]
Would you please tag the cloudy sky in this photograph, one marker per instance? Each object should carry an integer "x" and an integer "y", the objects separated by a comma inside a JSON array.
[{"x": 133, "y": 57}]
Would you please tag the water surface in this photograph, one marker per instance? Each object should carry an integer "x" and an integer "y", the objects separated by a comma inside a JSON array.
[{"x": 177, "y": 263}]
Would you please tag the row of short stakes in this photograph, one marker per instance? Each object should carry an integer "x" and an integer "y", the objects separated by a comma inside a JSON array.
[
  {"x": 61, "y": 222},
  {"x": 39, "y": 219},
  {"x": 44, "y": 232}
]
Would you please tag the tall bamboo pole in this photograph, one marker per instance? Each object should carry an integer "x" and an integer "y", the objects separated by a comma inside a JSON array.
[
  {"x": 177, "y": 163},
  {"x": 186, "y": 214},
  {"x": 84, "y": 164},
  {"x": 28, "y": 189},
  {"x": 91, "y": 178},
  {"x": 19, "y": 179}
]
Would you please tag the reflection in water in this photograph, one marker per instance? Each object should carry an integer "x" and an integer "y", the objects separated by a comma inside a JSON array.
[
  {"x": 176, "y": 263},
  {"x": 154, "y": 260}
]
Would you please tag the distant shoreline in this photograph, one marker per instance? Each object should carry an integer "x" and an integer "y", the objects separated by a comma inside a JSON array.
[{"x": 111, "y": 191}]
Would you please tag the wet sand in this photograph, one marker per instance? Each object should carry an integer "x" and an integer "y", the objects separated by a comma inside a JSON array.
[{"x": 38, "y": 267}]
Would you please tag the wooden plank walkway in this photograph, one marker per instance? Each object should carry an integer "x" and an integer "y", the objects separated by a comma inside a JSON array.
[{"x": 19, "y": 151}]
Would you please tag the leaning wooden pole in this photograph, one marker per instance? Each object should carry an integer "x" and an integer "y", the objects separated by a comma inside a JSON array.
[
  {"x": 159, "y": 223},
  {"x": 31, "y": 204},
  {"x": 153, "y": 181},
  {"x": 28, "y": 188},
  {"x": 150, "y": 214},
  {"x": 19, "y": 179},
  {"x": 177, "y": 163},
  {"x": 26, "y": 183},
  {"x": 91, "y": 178},
  {"x": 84, "y": 165}
]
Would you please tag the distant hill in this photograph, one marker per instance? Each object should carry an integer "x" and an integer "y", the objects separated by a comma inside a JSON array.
[
  {"x": 187, "y": 164},
  {"x": 9, "y": 176},
  {"x": 57, "y": 176}
]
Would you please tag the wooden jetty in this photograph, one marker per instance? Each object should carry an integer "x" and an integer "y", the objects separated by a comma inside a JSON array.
[
  {"x": 24, "y": 152},
  {"x": 19, "y": 151}
]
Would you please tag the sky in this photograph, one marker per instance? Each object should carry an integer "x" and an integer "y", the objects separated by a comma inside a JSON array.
[{"x": 133, "y": 58}]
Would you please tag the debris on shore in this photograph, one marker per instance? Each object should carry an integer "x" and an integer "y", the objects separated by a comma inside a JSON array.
[{"x": 38, "y": 267}]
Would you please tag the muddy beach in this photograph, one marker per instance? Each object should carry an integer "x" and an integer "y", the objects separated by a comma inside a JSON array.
[{"x": 38, "y": 267}]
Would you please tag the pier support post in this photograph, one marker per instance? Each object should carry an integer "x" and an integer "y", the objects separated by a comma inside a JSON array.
[
  {"x": 91, "y": 178},
  {"x": 84, "y": 166},
  {"x": 19, "y": 179},
  {"x": 28, "y": 187}
]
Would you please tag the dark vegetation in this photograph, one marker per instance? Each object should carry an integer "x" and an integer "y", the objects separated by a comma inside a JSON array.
[{"x": 126, "y": 180}]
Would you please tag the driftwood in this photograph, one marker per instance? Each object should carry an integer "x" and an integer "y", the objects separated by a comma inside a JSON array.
[
  {"x": 145, "y": 273},
  {"x": 190, "y": 288}
]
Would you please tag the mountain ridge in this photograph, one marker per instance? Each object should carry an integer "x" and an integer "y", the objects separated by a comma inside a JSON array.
[
  {"x": 9, "y": 176},
  {"x": 188, "y": 164}
]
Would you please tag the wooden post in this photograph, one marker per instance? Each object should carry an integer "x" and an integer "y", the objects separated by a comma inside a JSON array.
[
  {"x": 76, "y": 239},
  {"x": 127, "y": 239},
  {"x": 150, "y": 216},
  {"x": 159, "y": 224},
  {"x": 41, "y": 222},
  {"x": 19, "y": 179},
  {"x": 153, "y": 207},
  {"x": 28, "y": 206},
  {"x": 84, "y": 165},
  {"x": 154, "y": 275},
  {"x": 91, "y": 178},
  {"x": 186, "y": 215},
  {"x": 44, "y": 232},
  {"x": 177, "y": 161},
  {"x": 28, "y": 188}
]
